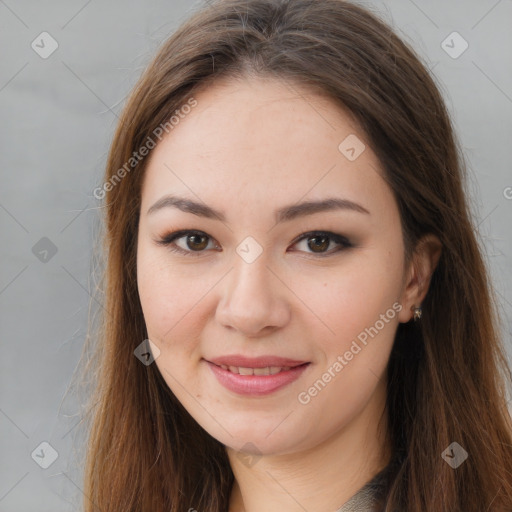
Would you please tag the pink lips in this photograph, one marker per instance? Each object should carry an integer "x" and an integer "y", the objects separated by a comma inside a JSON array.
[
  {"x": 256, "y": 384},
  {"x": 255, "y": 362}
]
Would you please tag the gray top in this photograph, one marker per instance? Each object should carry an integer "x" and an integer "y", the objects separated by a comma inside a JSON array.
[{"x": 369, "y": 497}]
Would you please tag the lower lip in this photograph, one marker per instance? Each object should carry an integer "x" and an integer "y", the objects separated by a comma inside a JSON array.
[{"x": 256, "y": 384}]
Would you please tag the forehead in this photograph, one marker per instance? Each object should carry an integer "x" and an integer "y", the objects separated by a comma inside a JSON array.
[{"x": 262, "y": 139}]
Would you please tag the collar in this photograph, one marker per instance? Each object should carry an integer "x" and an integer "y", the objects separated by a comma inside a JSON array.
[{"x": 370, "y": 496}]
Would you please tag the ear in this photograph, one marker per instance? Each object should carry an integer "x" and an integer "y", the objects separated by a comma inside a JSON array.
[{"x": 424, "y": 261}]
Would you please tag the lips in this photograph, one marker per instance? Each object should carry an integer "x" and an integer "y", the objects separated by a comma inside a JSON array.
[
  {"x": 258, "y": 375},
  {"x": 267, "y": 370},
  {"x": 240, "y": 361}
]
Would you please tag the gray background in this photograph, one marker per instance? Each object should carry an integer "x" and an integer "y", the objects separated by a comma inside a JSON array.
[{"x": 58, "y": 115}]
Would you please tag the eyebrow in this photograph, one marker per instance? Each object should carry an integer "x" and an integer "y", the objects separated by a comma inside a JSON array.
[{"x": 284, "y": 214}]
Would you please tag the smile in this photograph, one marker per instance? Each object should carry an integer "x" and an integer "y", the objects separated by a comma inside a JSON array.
[
  {"x": 267, "y": 370},
  {"x": 256, "y": 380}
]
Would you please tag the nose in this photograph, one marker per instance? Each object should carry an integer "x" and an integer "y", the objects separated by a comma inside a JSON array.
[{"x": 254, "y": 300}]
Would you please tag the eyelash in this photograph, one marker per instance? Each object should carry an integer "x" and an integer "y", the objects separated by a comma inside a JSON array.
[{"x": 168, "y": 241}]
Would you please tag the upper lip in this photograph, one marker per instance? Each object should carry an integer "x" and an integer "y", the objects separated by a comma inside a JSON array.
[{"x": 255, "y": 362}]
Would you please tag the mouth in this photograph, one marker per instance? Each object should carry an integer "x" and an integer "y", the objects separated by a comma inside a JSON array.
[
  {"x": 269, "y": 361},
  {"x": 267, "y": 370},
  {"x": 256, "y": 376}
]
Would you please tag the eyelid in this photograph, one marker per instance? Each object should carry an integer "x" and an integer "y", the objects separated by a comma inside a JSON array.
[
  {"x": 319, "y": 232},
  {"x": 343, "y": 243},
  {"x": 168, "y": 239}
]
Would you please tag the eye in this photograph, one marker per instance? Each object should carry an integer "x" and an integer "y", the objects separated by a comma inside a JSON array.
[
  {"x": 188, "y": 242},
  {"x": 193, "y": 242},
  {"x": 319, "y": 241}
]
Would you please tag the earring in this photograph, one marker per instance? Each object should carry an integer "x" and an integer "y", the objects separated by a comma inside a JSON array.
[{"x": 417, "y": 312}]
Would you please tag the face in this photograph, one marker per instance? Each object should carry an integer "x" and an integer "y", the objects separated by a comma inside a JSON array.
[{"x": 271, "y": 281}]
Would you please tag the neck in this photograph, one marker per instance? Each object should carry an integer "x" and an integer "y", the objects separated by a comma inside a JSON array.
[{"x": 321, "y": 478}]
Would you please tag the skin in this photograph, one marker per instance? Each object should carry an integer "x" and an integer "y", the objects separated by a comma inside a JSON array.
[{"x": 248, "y": 148}]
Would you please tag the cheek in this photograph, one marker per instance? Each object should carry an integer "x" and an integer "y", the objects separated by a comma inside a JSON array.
[
  {"x": 172, "y": 309},
  {"x": 363, "y": 314},
  {"x": 351, "y": 298},
  {"x": 170, "y": 300}
]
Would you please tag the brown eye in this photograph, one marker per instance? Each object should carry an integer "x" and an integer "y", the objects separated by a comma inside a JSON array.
[
  {"x": 188, "y": 242},
  {"x": 318, "y": 243},
  {"x": 197, "y": 242}
]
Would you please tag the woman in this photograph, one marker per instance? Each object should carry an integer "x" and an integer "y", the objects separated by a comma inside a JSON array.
[{"x": 299, "y": 316}]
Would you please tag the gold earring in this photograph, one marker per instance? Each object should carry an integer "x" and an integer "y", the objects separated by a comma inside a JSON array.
[{"x": 417, "y": 312}]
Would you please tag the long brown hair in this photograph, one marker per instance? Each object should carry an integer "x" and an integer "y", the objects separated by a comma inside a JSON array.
[{"x": 447, "y": 374}]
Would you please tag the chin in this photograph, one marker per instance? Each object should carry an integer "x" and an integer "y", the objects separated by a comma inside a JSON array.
[{"x": 252, "y": 434}]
